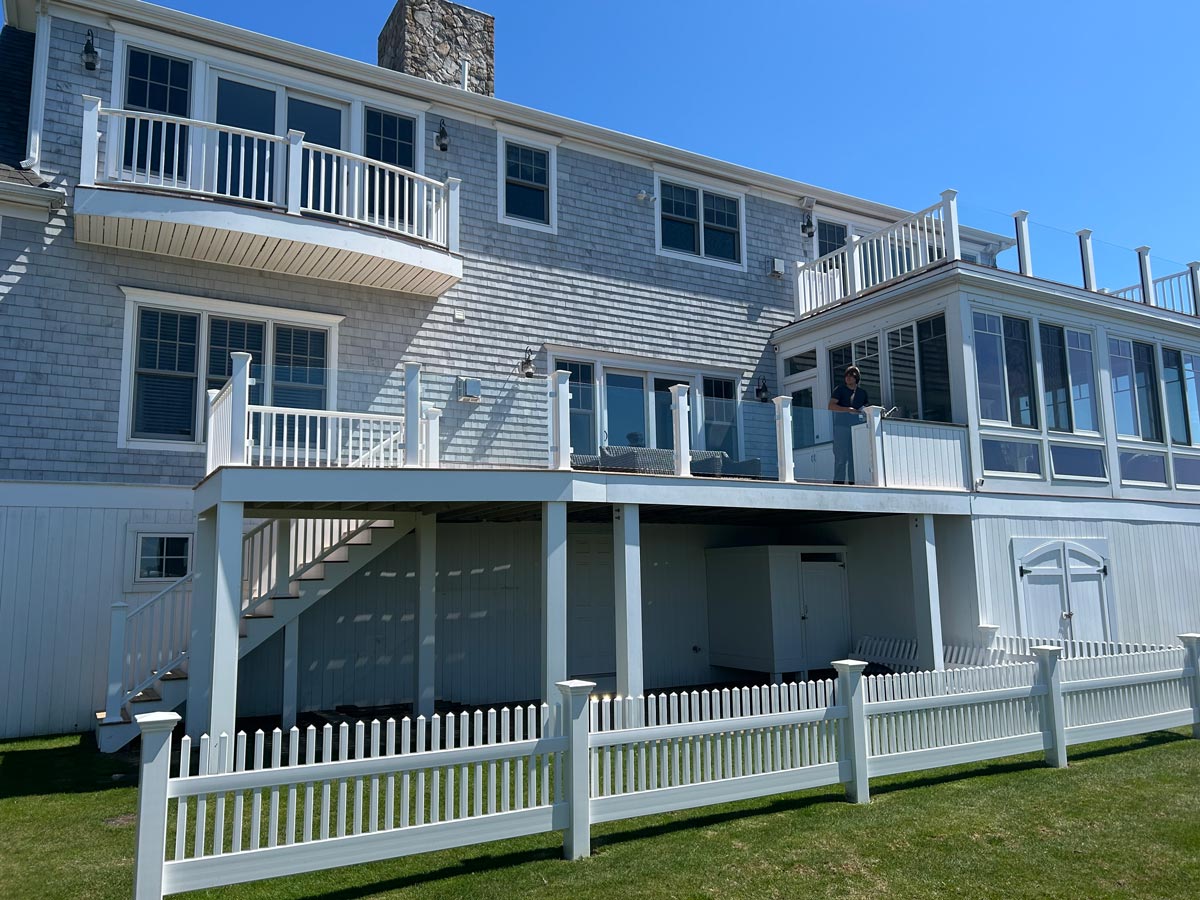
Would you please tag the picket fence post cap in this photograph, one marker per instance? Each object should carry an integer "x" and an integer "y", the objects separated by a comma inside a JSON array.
[
  {"x": 575, "y": 686},
  {"x": 1189, "y": 638},
  {"x": 157, "y": 721},
  {"x": 849, "y": 665},
  {"x": 1047, "y": 648}
]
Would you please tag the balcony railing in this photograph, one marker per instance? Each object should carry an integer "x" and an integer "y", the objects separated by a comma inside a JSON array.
[
  {"x": 149, "y": 151},
  {"x": 905, "y": 247},
  {"x": 1177, "y": 293}
]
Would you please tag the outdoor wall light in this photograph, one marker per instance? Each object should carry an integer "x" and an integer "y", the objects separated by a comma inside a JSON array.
[
  {"x": 644, "y": 196},
  {"x": 89, "y": 54},
  {"x": 763, "y": 392},
  {"x": 808, "y": 204},
  {"x": 525, "y": 367},
  {"x": 442, "y": 138}
]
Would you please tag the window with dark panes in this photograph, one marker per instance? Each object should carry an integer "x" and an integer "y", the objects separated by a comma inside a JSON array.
[
  {"x": 830, "y": 236},
  {"x": 1056, "y": 382},
  {"x": 720, "y": 415},
  {"x": 700, "y": 222},
  {"x": 902, "y": 365},
  {"x": 680, "y": 218},
  {"x": 582, "y": 406},
  {"x": 228, "y": 336},
  {"x": 526, "y": 183},
  {"x": 934, "y": 365},
  {"x": 1179, "y": 381},
  {"x": 163, "y": 556},
  {"x": 300, "y": 367},
  {"x": 1018, "y": 361},
  {"x": 721, "y": 228},
  {"x": 1083, "y": 381},
  {"x": 800, "y": 363},
  {"x": 389, "y": 138},
  {"x": 157, "y": 84},
  {"x": 1135, "y": 389},
  {"x": 864, "y": 354},
  {"x": 165, "y": 375}
]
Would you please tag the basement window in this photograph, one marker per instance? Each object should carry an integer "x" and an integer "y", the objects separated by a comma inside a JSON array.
[{"x": 163, "y": 557}]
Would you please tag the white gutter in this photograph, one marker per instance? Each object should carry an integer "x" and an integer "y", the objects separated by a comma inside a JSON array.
[{"x": 24, "y": 201}]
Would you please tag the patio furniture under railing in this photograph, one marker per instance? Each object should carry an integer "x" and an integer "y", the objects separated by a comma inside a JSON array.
[
  {"x": 149, "y": 151},
  {"x": 904, "y": 247}
]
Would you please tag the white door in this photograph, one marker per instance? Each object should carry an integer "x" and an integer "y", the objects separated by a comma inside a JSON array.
[
  {"x": 1064, "y": 592},
  {"x": 824, "y": 613},
  {"x": 591, "y": 624}
]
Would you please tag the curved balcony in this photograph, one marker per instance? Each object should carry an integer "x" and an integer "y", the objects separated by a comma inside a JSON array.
[{"x": 197, "y": 190}]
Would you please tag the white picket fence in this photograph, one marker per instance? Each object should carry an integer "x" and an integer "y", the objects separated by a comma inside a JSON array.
[{"x": 456, "y": 780}]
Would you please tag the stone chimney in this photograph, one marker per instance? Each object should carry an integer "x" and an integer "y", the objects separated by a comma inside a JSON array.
[{"x": 434, "y": 39}]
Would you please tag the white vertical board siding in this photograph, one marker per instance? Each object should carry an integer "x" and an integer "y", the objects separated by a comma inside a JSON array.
[
  {"x": 924, "y": 454},
  {"x": 957, "y": 584},
  {"x": 61, "y": 569},
  {"x": 1154, "y": 572}
]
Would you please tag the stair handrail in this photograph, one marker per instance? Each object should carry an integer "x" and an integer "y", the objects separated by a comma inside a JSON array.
[{"x": 132, "y": 665}]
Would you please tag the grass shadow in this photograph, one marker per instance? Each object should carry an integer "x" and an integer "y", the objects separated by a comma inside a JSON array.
[
  {"x": 33, "y": 770},
  {"x": 1126, "y": 745}
]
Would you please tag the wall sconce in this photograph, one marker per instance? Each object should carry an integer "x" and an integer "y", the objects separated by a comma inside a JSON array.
[
  {"x": 762, "y": 392},
  {"x": 442, "y": 138},
  {"x": 525, "y": 367},
  {"x": 808, "y": 204},
  {"x": 644, "y": 196},
  {"x": 89, "y": 54}
]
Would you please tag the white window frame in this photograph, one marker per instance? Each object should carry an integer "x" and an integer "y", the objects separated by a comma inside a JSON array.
[
  {"x": 689, "y": 181},
  {"x": 649, "y": 369},
  {"x": 138, "y": 298},
  {"x": 133, "y": 542},
  {"x": 549, "y": 146}
]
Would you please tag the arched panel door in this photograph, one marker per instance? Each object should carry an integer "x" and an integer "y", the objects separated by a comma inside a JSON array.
[
  {"x": 1086, "y": 595},
  {"x": 1044, "y": 592}
]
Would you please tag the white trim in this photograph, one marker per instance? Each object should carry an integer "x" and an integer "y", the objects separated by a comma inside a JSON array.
[
  {"x": 205, "y": 307},
  {"x": 536, "y": 142},
  {"x": 707, "y": 186},
  {"x": 93, "y": 495},
  {"x": 37, "y": 93}
]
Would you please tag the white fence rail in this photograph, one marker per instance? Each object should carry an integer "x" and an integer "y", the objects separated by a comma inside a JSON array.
[
  {"x": 283, "y": 436},
  {"x": 1017, "y": 648},
  {"x": 906, "y": 246},
  {"x": 189, "y": 156},
  {"x": 456, "y": 782},
  {"x": 1172, "y": 292}
]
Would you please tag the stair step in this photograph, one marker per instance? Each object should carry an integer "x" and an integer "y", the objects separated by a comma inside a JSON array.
[
  {"x": 174, "y": 675},
  {"x": 149, "y": 695}
]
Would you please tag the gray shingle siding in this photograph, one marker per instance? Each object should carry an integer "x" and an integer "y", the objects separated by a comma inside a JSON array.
[{"x": 597, "y": 285}]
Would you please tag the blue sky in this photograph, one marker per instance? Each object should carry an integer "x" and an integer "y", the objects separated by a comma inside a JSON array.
[{"x": 1082, "y": 112}]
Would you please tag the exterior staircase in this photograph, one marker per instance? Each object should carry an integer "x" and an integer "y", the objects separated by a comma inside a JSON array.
[{"x": 287, "y": 566}]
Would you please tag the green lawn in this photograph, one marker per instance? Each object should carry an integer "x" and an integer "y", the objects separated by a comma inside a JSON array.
[{"x": 1122, "y": 821}]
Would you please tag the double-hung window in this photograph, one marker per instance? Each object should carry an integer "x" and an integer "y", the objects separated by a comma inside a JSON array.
[
  {"x": 720, "y": 415},
  {"x": 582, "y": 406},
  {"x": 700, "y": 222},
  {"x": 155, "y": 83},
  {"x": 830, "y": 236},
  {"x": 528, "y": 176},
  {"x": 180, "y": 351}
]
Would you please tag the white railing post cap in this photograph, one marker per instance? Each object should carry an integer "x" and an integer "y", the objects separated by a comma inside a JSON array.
[
  {"x": 1084, "y": 232},
  {"x": 1021, "y": 214},
  {"x": 575, "y": 687},
  {"x": 295, "y": 136},
  {"x": 849, "y": 665},
  {"x": 155, "y": 722},
  {"x": 1190, "y": 638},
  {"x": 1142, "y": 249},
  {"x": 1047, "y": 649},
  {"x": 949, "y": 194}
]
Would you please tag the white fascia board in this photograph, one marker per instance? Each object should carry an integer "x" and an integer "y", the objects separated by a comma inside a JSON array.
[
  {"x": 23, "y": 201},
  {"x": 365, "y": 75},
  {"x": 21, "y": 14},
  {"x": 1040, "y": 507}
]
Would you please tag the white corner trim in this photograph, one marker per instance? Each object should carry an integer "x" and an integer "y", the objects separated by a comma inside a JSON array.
[
  {"x": 37, "y": 94},
  {"x": 537, "y": 143}
]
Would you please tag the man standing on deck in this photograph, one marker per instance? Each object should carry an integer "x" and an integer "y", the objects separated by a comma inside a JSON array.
[{"x": 847, "y": 402}]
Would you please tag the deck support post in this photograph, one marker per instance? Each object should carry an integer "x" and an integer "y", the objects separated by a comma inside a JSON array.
[
  {"x": 554, "y": 598},
  {"x": 922, "y": 543},
  {"x": 950, "y": 221},
  {"x": 1054, "y": 716},
  {"x": 850, "y": 694},
  {"x": 426, "y": 614},
  {"x": 226, "y": 619},
  {"x": 291, "y": 673},
  {"x": 295, "y": 170},
  {"x": 683, "y": 431},
  {"x": 114, "y": 695},
  {"x": 1191, "y": 643},
  {"x": 627, "y": 558},
  {"x": 154, "y": 774},
  {"x": 200, "y": 637},
  {"x": 575, "y": 698},
  {"x": 1024, "y": 259},
  {"x": 1087, "y": 259}
]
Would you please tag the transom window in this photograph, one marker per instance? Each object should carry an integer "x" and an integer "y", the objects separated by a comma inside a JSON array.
[
  {"x": 527, "y": 184},
  {"x": 699, "y": 222},
  {"x": 180, "y": 354}
]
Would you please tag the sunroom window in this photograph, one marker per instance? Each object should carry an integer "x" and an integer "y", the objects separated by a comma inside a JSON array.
[
  {"x": 919, "y": 370},
  {"x": 1004, "y": 370},
  {"x": 1068, "y": 380},
  {"x": 1135, "y": 389}
]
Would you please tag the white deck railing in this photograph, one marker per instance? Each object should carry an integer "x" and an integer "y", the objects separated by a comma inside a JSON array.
[
  {"x": 157, "y": 152},
  {"x": 146, "y": 643},
  {"x": 906, "y": 246},
  {"x": 282, "y": 436},
  {"x": 907, "y": 453},
  {"x": 1171, "y": 292},
  {"x": 454, "y": 782}
]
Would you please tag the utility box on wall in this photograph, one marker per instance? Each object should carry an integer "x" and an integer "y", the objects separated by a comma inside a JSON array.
[{"x": 777, "y": 609}]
